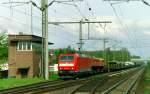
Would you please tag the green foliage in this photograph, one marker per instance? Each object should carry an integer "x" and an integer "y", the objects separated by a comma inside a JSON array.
[
  {"x": 53, "y": 77},
  {"x": 121, "y": 55},
  {"x": 57, "y": 52},
  {"x": 3, "y": 47},
  {"x": 3, "y": 39},
  {"x": 14, "y": 82},
  {"x": 110, "y": 55},
  {"x": 146, "y": 80},
  {"x": 148, "y": 70},
  {"x": 135, "y": 57}
]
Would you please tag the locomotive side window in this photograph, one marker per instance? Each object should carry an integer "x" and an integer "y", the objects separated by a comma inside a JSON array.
[{"x": 66, "y": 58}]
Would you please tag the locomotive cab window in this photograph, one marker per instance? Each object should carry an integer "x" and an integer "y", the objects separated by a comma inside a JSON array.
[{"x": 66, "y": 58}]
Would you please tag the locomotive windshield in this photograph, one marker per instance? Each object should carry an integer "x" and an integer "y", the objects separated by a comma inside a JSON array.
[{"x": 66, "y": 58}]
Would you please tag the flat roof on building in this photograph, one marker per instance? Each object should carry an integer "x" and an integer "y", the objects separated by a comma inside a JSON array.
[{"x": 33, "y": 38}]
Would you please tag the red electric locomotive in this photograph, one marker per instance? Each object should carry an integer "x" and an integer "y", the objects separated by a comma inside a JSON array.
[{"x": 74, "y": 65}]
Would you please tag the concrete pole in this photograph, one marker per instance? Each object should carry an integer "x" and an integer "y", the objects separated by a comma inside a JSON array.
[
  {"x": 31, "y": 20},
  {"x": 104, "y": 47},
  {"x": 122, "y": 55},
  {"x": 88, "y": 30},
  {"x": 114, "y": 58},
  {"x": 80, "y": 36},
  {"x": 44, "y": 9}
]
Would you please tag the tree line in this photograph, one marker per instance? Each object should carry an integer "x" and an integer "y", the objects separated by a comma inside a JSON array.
[
  {"x": 107, "y": 54},
  {"x": 3, "y": 47},
  {"x": 120, "y": 55}
]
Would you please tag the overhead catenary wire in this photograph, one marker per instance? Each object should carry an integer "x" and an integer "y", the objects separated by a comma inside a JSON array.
[
  {"x": 83, "y": 16},
  {"x": 18, "y": 10},
  {"x": 90, "y": 12},
  {"x": 22, "y": 12},
  {"x": 93, "y": 15},
  {"x": 78, "y": 9},
  {"x": 17, "y": 21},
  {"x": 61, "y": 13},
  {"x": 22, "y": 22},
  {"x": 124, "y": 29},
  {"x": 100, "y": 25},
  {"x": 125, "y": 25}
]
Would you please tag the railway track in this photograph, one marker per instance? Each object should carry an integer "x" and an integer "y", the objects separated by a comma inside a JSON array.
[
  {"x": 27, "y": 87},
  {"x": 124, "y": 86},
  {"x": 92, "y": 86},
  {"x": 50, "y": 86},
  {"x": 42, "y": 87}
]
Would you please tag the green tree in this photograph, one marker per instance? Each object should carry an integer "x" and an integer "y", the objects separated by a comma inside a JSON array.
[
  {"x": 3, "y": 47},
  {"x": 57, "y": 52},
  {"x": 110, "y": 55},
  {"x": 135, "y": 57}
]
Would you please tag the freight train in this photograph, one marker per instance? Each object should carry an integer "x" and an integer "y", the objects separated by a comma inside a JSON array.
[{"x": 74, "y": 66}]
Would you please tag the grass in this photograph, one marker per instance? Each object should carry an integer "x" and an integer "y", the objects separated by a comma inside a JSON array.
[
  {"x": 53, "y": 77},
  {"x": 15, "y": 82},
  {"x": 147, "y": 80}
]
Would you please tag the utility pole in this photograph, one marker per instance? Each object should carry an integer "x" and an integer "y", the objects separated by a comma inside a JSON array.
[
  {"x": 45, "y": 62},
  {"x": 114, "y": 54},
  {"x": 104, "y": 53},
  {"x": 80, "y": 37},
  {"x": 104, "y": 48},
  {"x": 105, "y": 40},
  {"x": 104, "y": 43},
  {"x": 31, "y": 19},
  {"x": 122, "y": 54},
  {"x": 44, "y": 9}
]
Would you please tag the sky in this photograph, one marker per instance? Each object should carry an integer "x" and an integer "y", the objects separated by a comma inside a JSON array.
[{"x": 130, "y": 25}]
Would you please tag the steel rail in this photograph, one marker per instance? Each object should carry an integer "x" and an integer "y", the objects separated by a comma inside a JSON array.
[
  {"x": 25, "y": 87},
  {"x": 114, "y": 86},
  {"x": 50, "y": 85},
  {"x": 133, "y": 83},
  {"x": 123, "y": 81},
  {"x": 93, "y": 89},
  {"x": 45, "y": 87},
  {"x": 59, "y": 86},
  {"x": 49, "y": 88}
]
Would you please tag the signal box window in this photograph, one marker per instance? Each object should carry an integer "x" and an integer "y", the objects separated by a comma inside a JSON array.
[
  {"x": 29, "y": 45},
  {"x": 19, "y": 46},
  {"x": 24, "y": 46},
  {"x": 66, "y": 58}
]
